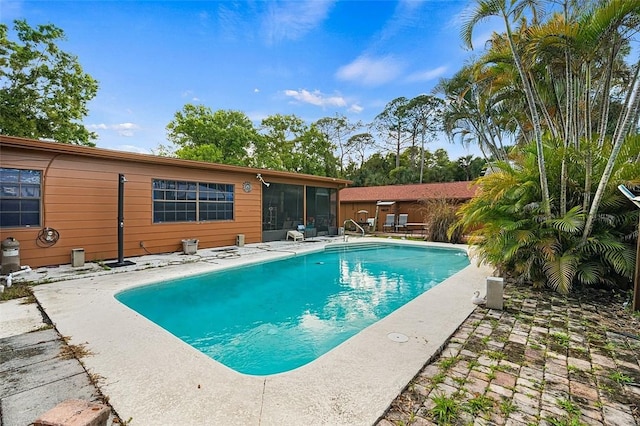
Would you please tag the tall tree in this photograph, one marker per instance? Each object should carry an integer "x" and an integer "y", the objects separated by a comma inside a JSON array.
[
  {"x": 279, "y": 146},
  {"x": 393, "y": 127},
  {"x": 337, "y": 130},
  {"x": 358, "y": 146},
  {"x": 424, "y": 115},
  {"x": 43, "y": 90},
  {"x": 223, "y": 136},
  {"x": 287, "y": 143}
]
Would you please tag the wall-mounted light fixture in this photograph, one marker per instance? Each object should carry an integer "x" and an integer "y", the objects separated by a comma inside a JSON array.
[{"x": 259, "y": 177}]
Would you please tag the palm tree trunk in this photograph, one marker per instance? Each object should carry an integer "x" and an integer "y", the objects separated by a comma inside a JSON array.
[
  {"x": 621, "y": 133},
  {"x": 535, "y": 119},
  {"x": 588, "y": 159}
]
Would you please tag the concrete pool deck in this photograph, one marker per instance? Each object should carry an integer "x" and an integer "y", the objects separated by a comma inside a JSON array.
[{"x": 152, "y": 377}]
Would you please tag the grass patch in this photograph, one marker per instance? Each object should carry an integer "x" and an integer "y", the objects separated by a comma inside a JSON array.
[
  {"x": 17, "y": 291},
  {"x": 620, "y": 378},
  {"x": 73, "y": 351},
  {"x": 568, "y": 406},
  {"x": 447, "y": 363},
  {"x": 445, "y": 410},
  {"x": 460, "y": 381},
  {"x": 573, "y": 369},
  {"x": 480, "y": 404},
  {"x": 438, "y": 378},
  {"x": 561, "y": 338},
  {"x": 507, "y": 407},
  {"x": 496, "y": 355}
]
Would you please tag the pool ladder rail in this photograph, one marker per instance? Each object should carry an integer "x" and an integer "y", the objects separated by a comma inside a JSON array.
[{"x": 344, "y": 226}]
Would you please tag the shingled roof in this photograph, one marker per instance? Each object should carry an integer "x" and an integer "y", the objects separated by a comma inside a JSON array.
[{"x": 449, "y": 190}]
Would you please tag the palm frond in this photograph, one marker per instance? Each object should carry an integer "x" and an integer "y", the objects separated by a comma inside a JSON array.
[
  {"x": 572, "y": 222},
  {"x": 590, "y": 273},
  {"x": 561, "y": 271}
]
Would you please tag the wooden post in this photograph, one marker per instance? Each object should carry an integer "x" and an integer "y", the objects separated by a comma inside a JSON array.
[
  {"x": 636, "y": 281},
  {"x": 635, "y": 199}
]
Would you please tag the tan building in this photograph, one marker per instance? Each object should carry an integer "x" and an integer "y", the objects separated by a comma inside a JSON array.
[
  {"x": 56, "y": 197},
  {"x": 375, "y": 202}
]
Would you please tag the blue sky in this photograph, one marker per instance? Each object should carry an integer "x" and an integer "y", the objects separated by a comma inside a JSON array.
[{"x": 311, "y": 58}]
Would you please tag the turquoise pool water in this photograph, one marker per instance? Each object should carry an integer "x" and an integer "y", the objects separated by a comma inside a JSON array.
[{"x": 273, "y": 317}]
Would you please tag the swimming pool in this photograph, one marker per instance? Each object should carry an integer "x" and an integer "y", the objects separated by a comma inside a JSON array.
[{"x": 273, "y": 317}]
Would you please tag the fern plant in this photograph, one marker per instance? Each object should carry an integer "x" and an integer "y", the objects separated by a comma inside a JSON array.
[{"x": 510, "y": 230}]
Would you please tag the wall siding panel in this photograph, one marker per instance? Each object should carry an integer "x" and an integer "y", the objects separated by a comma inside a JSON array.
[{"x": 80, "y": 201}]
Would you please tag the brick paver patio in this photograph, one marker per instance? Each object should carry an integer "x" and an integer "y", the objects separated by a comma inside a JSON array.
[{"x": 545, "y": 359}]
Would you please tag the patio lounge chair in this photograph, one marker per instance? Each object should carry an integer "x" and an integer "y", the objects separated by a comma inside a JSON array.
[
  {"x": 295, "y": 235},
  {"x": 402, "y": 222},
  {"x": 389, "y": 222}
]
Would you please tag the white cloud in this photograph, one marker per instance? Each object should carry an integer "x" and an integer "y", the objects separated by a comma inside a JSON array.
[
  {"x": 404, "y": 16},
  {"x": 316, "y": 98},
  {"x": 427, "y": 75},
  {"x": 355, "y": 108},
  {"x": 371, "y": 71},
  {"x": 292, "y": 20},
  {"x": 190, "y": 94},
  {"x": 132, "y": 148},
  {"x": 122, "y": 129},
  {"x": 125, "y": 129},
  {"x": 100, "y": 126}
]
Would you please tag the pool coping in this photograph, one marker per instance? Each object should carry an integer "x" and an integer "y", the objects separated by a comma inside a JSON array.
[{"x": 153, "y": 377}]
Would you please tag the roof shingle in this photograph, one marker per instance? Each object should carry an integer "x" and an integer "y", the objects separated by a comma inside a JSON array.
[{"x": 449, "y": 190}]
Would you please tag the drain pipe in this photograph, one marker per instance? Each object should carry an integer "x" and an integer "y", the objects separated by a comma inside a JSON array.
[{"x": 8, "y": 279}]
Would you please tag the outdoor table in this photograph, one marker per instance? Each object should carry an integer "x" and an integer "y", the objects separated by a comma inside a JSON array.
[{"x": 415, "y": 226}]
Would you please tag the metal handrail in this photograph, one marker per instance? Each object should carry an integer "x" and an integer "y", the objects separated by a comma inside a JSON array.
[{"x": 355, "y": 223}]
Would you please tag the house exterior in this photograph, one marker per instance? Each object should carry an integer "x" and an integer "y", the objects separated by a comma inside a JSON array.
[
  {"x": 362, "y": 203},
  {"x": 56, "y": 197}
]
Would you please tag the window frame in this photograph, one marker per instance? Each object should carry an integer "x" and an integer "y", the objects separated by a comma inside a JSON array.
[
  {"x": 21, "y": 186},
  {"x": 191, "y": 201}
]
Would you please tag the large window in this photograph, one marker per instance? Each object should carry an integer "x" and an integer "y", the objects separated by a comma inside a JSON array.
[
  {"x": 20, "y": 197},
  {"x": 182, "y": 201},
  {"x": 321, "y": 208},
  {"x": 282, "y": 207}
]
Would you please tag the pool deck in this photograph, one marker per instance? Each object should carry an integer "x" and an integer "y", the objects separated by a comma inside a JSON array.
[{"x": 152, "y": 377}]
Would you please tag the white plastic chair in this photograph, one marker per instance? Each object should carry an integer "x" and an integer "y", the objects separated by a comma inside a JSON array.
[
  {"x": 389, "y": 222},
  {"x": 402, "y": 221}
]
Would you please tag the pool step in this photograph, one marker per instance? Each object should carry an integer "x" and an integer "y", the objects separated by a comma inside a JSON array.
[{"x": 350, "y": 246}]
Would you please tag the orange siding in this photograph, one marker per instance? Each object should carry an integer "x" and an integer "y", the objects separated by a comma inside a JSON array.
[
  {"x": 415, "y": 210},
  {"x": 80, "y": 201}
]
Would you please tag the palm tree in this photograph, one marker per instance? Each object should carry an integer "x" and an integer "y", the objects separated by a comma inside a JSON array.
[
  {"x": 475, "y": 110},
  {"x": 510, "y": 10}
]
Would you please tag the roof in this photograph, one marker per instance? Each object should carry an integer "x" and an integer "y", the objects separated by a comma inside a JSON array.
[
  {"x": 86, "y": 151},
  {"x": 449, "y": 190}
]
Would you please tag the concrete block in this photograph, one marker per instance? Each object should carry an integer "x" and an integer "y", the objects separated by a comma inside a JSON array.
[
  {"x": 77, "y": 257},
  {"x": 75, "y": 412},
  {"x": 495, "y": 292}
]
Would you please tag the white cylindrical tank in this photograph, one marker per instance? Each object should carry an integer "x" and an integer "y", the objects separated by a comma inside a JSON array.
[{"x": 10, "y": 255}]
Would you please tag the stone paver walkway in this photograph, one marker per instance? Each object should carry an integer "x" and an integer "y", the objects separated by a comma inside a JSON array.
[{"x": 543, "y": 360}]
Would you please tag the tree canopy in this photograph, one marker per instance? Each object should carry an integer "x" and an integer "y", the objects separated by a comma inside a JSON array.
[
  {"x": 43, "y": 90},
  {"x": 223, "y": 136}
]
